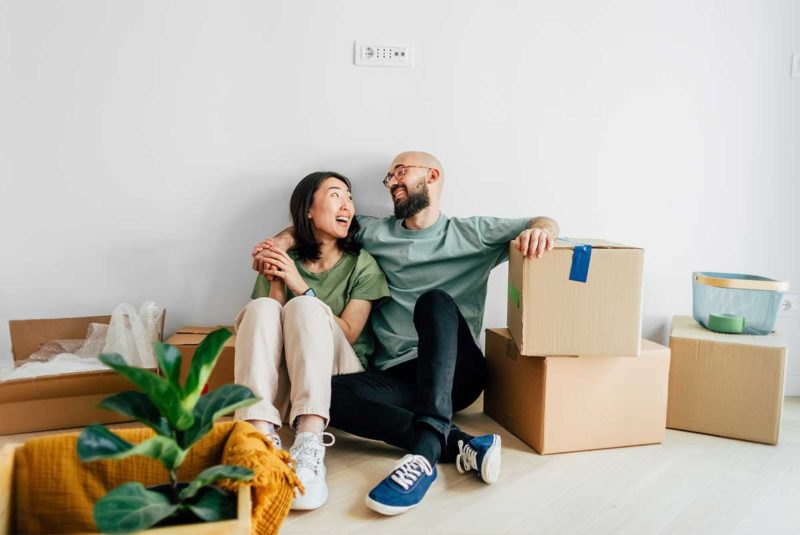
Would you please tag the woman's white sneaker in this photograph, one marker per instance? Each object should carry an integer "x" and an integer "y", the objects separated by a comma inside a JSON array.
[{"x": 308, "y": 453}]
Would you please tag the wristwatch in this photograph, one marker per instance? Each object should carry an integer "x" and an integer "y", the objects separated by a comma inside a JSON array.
[{"x": 310, "y": 292}]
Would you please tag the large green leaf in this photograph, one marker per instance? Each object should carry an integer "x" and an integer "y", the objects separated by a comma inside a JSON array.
[
  {"x": 213, "y": 405},
  {"x": 209, "y": 476},
  {"x": 214, "y": 505},
  {"x": 203, "y": 362},
  {"x": 96, "y": 442},
  {"x": 169, "y": 360},
  {"x": 131, "y": 507},
  {"x": 160, "y": 391},
  {"x": 139, "y": 407}
]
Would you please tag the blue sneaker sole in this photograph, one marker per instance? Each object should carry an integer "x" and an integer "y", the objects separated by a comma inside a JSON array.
[
  {"x": 388, "y": 510},
  {"x": 490, "y": 468}
]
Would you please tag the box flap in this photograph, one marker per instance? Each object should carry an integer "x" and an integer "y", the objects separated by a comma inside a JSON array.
[
  {"x": 570, "y": 243},
  {"x": 195, "y": 330},
  {"x": 192, "y": 336},
  {"x": 185, "y": 339},
  {"x": 64, "y": 385},
  {"x": 27, "y": 336},
  {"x": 500, "y": 331},
  {"x": 685, "y": 327}
]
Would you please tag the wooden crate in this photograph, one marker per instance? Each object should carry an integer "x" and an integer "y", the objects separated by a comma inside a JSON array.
[{"x": 239, "y": 526}]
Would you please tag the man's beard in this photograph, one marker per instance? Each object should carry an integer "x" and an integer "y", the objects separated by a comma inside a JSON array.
[{"x": 413, "y": 203}]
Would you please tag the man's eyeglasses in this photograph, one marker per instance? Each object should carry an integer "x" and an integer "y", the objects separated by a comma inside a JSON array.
[{"x": 400, "y": 172}]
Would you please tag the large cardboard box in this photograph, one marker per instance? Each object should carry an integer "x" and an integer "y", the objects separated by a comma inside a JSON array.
[
  {"x": 729, "y": 385},
  {"x": 186, "y": 339},
  {"x": 56, "y": 401},
  {"x": 577, "y": 301},
  {"x": 562, "y": 404}
]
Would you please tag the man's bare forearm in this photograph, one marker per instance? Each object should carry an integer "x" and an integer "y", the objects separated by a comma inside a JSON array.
[
  {"x": 547, "y": 224},
  {"x": 285, "y": 237},
  {"x": 284, "y": 240}
]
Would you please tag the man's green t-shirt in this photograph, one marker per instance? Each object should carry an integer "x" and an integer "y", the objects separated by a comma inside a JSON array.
[
  {"x": 455, "y": 255},
  {"x": 352, "y": 277}
]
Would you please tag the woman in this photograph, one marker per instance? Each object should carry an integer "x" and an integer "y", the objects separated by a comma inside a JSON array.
[{"x": 307, "y": 322}]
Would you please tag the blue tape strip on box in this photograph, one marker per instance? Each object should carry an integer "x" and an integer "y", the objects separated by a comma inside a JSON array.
[{"x": 581, "y": 257}]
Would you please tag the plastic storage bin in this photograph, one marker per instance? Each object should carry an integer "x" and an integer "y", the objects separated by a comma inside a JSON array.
[{"x": 733, "y": 297}]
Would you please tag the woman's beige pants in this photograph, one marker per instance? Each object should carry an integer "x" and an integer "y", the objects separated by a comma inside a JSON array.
[{"x": 286, "y": 355}]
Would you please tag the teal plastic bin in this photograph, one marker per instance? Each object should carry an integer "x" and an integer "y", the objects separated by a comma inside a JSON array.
[{"x": 736, "y": 303}]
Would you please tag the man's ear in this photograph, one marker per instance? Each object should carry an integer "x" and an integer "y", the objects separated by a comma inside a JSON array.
[{"x": 434, "y": 175}]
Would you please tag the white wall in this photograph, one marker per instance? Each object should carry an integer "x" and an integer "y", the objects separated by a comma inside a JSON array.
[{"x": 146, "y": 146}]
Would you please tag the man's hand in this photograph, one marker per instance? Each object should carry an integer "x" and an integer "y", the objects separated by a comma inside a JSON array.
[
  {"x": 260, "y": 262},
  {"x": 282, "y": 267},
  {"x": 533, "y": 242}
]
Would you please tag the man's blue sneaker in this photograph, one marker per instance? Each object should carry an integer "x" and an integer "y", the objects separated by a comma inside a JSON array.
[
  {"x": 404, "y": 488},
  {"x": 481, "y": 454}
]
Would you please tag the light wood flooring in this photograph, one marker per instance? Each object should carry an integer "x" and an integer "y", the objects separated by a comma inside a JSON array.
[{"x": 690, "y": 484}]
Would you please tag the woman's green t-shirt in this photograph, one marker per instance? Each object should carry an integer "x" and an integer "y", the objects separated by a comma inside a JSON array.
[{"x": 352, "y": 277}]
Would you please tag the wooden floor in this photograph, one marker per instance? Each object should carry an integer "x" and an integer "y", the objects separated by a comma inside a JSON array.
[{"x": 693, "y": 484}]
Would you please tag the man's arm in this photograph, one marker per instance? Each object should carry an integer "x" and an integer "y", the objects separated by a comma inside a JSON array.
[
  {"x": 546, "y": 223},
  {"x": 284, "y": 240},
  {"x": 540, "y": 236}
]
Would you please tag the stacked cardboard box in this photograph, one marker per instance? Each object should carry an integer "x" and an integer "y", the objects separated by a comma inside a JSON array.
[
  {"x": 186, "y": 339},
  {"x": 572, "y": 372},
  {"x": 729, "y": 385}
]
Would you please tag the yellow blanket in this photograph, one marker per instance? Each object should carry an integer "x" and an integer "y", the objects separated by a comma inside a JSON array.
[{"x": 54, "y": 492}]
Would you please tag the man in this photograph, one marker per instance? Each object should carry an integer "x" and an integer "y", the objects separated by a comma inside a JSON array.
[{"x": 428, "y": 362}]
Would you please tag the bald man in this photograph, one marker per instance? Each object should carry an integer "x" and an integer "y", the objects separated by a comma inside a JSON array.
[{"x": 428, "y": 362}]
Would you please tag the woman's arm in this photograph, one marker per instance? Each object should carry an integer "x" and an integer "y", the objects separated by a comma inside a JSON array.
[
  {"x": 354, "y": 317},
  {"x": 277, "y": 291}
]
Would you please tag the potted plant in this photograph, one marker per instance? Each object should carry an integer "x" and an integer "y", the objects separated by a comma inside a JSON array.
[{"x": 180, "y": 417}]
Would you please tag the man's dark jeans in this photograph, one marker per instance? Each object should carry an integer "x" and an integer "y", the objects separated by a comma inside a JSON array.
[{"x": 448, "y": 375}]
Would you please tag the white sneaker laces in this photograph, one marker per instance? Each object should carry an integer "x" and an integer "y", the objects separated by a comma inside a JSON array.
[
  {"x": 467, "y": 458},
  {"x": 409, "y": 469},
  {"x": 310, "y": 452}
]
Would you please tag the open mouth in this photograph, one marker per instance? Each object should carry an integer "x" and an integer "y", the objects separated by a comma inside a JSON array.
[
  {"x": 397, "y": 192},
  {"x": 342, "y": 220}
]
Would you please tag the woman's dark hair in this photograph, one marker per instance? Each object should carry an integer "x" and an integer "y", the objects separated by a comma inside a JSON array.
[{"x": 306, "y": 246}]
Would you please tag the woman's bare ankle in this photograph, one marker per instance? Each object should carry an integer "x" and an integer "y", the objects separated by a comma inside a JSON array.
[
  {"x": 310, "y": 423},
  {"x": 265, "y": 427}
]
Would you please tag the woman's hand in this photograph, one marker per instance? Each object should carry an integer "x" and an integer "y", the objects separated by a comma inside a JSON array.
[
  {"x": 282, "y": 267},
  {"x": 284, "y": 240}
]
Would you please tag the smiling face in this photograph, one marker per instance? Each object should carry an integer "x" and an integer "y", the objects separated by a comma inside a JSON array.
[
  {"x": 409, "y": 189},
  {"x": 332, "y": 210}
]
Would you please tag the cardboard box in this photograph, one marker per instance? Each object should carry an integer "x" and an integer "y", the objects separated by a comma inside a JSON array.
[
  {"x": 186, "y": 339},
  {"x": 552, "y": 312},
  {"x": 56, "y": 401},
  {"x": 562, "y": 404},
  {"x": 239, "y": 526},
  {"x": 730, "y": 385}
]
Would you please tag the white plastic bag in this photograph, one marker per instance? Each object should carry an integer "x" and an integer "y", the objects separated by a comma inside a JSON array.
[{"x": 131, "y": 333}]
